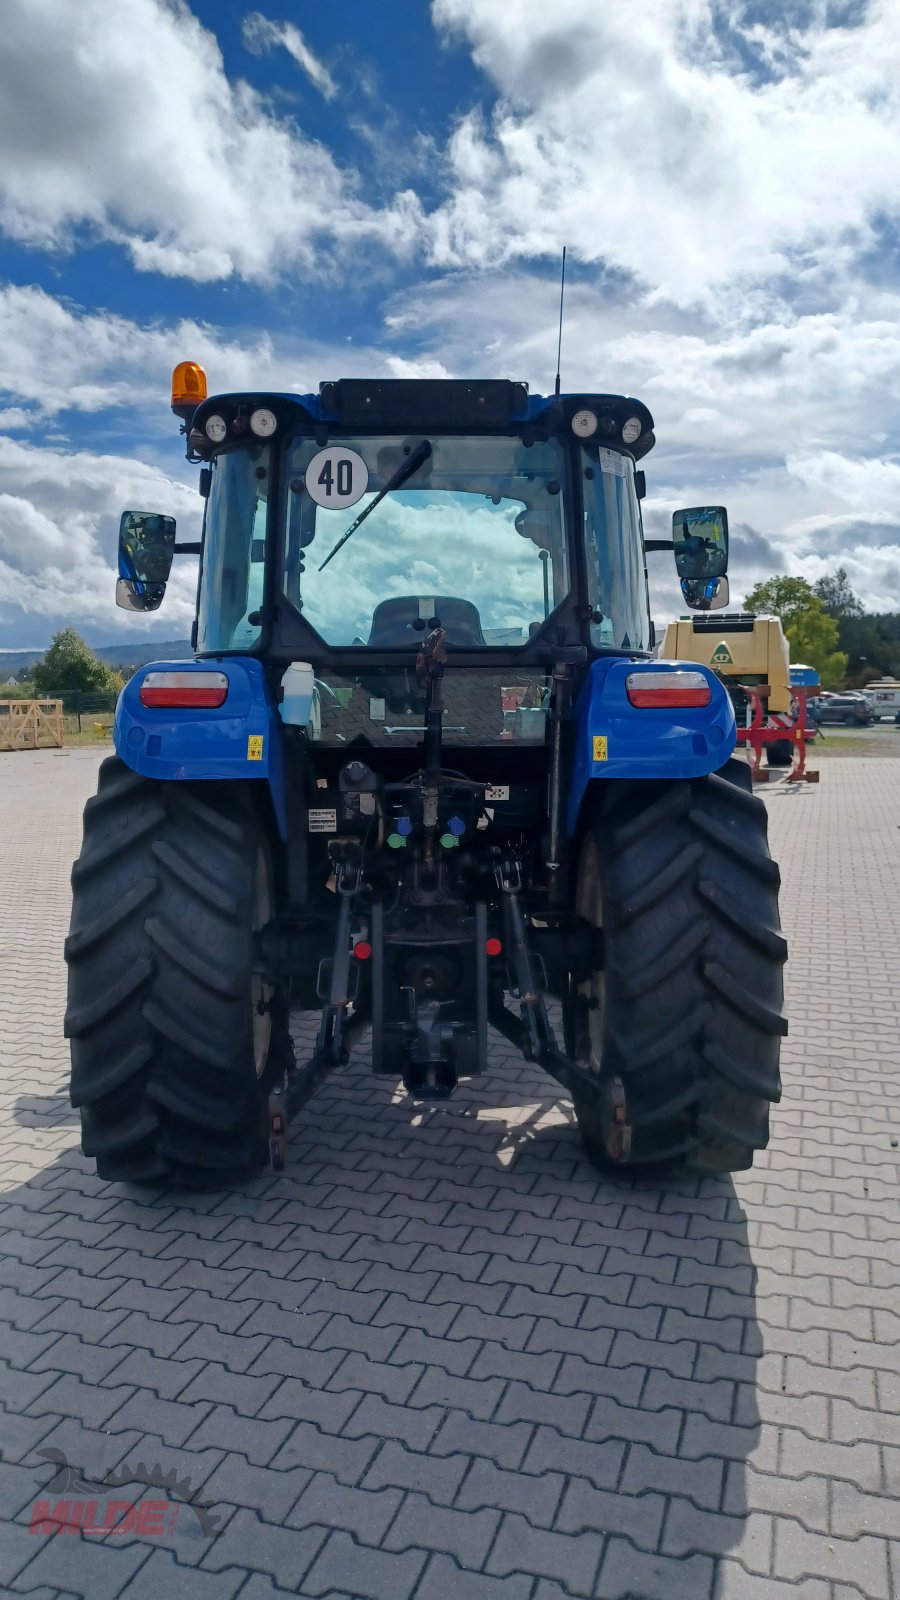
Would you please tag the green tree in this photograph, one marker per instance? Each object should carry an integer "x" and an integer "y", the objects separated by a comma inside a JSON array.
[
  {"x": 71, "y": 664},
  {"x": 836, "y": 595},
  {"x": 786, "y": 598},
  {"x": 872, "y": 643},
  {"x": 811, "y": 633}
]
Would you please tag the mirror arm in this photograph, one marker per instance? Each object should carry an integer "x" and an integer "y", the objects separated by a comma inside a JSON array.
[
  {"x": 192, "y": 548},
  {"x": 649, "y": 544}
]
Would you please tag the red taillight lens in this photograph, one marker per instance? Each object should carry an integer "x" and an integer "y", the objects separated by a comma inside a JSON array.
[
  {"x": 184, "y": 689},
  {"x": 667, "y": 690}
]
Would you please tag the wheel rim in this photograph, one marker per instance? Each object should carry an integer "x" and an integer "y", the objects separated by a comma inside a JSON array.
[{"x": 261, "y": 993}]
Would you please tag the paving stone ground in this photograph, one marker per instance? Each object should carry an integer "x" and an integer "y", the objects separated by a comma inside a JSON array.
[{"x": 438, "y": 1357}]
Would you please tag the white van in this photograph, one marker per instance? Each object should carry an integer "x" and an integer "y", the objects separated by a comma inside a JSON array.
[{"x": 884, "y": 698}]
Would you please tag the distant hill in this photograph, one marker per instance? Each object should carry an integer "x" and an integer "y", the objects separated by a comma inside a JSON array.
[{"x": 129, "y": 653}]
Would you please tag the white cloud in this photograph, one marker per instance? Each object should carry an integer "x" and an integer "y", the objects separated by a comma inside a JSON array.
[
  {"x": 636, "y": 137},
  {"x": 15, "y": 417},
  {"x": 261, "y": 35},
  {"x": 792, "y": 425},
  {"x": 59, "y": 517},
  {"x": 696, "y": 153},
  {"x": 127, "y": 128},
  {"x": 798, "y": 380},
  {"x": 56, "y": 357}
]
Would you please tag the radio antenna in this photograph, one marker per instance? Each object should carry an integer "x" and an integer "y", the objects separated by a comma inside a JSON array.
[{"x": 562, "y": 291}]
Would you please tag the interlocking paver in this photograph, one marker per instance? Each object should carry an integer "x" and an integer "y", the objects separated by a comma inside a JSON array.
[
  {"x": 366, "y": 1513},
  {"x": 404, "y": 1360},
  {"x": 444, "y": 1580},
  {"x": 465, "y": 1535},
  {"x": 573, "y": 1558},
  {"x": 627, "y": 1572},
  {"x": 163, "y": 1575},
  {"x": 284, "y": 1553},
  {"x": 535, "y": 1497},
  {"x": 552, "y": 1451},
  {"x": 393, "y": 1465},
  {"x": 862, "y": 1561},
  {"x": 344, "y": 1564}
]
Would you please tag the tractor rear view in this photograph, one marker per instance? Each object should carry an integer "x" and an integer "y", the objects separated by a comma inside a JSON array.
[{"x": 424, "y": 775}]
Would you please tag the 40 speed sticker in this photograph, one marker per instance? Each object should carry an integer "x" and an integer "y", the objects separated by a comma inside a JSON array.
[{"x": 336, "y": 478}]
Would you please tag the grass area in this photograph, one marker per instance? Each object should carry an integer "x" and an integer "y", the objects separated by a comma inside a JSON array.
[
  {"x": 882, "y": 739},
  {"x": 88, "y": 734}
]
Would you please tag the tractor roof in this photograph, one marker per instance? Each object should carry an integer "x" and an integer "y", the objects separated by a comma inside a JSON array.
[{"x": 451, "y": 404}]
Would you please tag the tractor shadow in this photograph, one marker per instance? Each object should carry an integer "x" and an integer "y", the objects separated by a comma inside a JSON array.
[
  {"x": 45, "y": 1110},
  {"x": 608, "y": 1324}
]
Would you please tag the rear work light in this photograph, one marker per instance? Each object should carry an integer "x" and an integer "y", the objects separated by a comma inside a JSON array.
[
  {"x": 667, "y": 690},
  {"x": 184, "y": 689}
]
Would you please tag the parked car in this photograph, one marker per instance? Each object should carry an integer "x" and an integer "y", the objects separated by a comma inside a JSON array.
[
  {"x": 884, "y": 698},
  {"x": 853, "y": 710}
]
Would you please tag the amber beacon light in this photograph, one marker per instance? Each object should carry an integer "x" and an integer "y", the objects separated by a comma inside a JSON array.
[{"x": 188, "y": 386}]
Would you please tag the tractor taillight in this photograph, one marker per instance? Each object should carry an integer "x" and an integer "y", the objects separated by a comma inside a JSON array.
[
  {"x": 667, "y": 690},
  {"x": 184, "y": 689}
]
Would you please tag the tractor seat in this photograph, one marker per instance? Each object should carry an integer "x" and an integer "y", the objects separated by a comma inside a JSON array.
[{"x": 393, "y": 622}]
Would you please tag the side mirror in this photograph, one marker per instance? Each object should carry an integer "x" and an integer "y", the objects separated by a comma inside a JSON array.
[
  {"x": 705, "y": 594},
  {"x": 146, "y": 548},
  {"x": 700, "y": 537}
]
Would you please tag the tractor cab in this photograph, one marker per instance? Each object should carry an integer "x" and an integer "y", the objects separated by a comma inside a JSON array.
[{"x": 342, "y": 526}]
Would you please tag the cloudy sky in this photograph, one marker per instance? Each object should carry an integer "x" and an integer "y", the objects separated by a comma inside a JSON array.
[{"x": 312, "y": 191}]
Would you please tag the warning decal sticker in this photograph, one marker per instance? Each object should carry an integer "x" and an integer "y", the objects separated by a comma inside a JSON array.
[
  {"x": 323, "y": 820},
  {"x": 600, "y": 747},
  {"x": 255, "y": 747}
]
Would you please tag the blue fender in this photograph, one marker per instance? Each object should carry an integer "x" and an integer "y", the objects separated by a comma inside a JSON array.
[
  {"x": 240, "y": 739},
  {"x": 614, "y": 739}
]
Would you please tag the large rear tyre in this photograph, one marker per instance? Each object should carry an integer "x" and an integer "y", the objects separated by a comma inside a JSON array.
[
  {"x": 174, "y": 1034},
  {"x": 683, "y": 1023}
]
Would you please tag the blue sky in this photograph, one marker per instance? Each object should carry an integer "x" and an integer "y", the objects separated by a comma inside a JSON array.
[{"x": 301, "y": 191}]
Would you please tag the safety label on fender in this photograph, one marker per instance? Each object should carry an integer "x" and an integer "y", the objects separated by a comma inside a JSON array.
[
  {"x": 497, "y": 791},
  {"x": 255, "y": 747},
  {"x": 600, "y": 747},
  {"x": 322, "y": 820}
]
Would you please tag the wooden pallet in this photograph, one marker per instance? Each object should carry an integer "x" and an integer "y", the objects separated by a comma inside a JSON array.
[{"x": 30, "y": 724}]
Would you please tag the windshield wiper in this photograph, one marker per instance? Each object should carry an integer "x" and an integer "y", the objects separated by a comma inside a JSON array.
[{"x": 404, "y": 471}]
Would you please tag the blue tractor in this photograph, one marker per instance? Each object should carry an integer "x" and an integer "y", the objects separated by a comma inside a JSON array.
[{"x": 424, "y": 775}]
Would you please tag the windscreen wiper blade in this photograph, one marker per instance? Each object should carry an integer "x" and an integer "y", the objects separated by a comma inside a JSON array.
[{"x": 404, "y": 471}]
